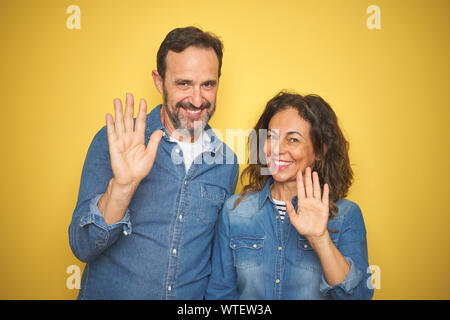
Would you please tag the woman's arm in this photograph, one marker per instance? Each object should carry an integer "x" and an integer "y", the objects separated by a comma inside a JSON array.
[
  {"x": 343, "y": 267},
  {"x": 334, "y": 265}
]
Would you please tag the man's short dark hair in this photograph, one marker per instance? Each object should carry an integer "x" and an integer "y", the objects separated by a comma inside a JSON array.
[{"x": 179, "y": 39}]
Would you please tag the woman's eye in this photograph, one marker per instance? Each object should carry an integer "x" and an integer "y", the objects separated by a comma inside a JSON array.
[{"x": 293, "y": 140}]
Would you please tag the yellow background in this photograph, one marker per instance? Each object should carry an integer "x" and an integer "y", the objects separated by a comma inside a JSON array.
[{"x": 389, "y": 88}]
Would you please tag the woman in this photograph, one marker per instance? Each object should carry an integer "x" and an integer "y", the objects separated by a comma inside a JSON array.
[{"x": 318, "y": 250}]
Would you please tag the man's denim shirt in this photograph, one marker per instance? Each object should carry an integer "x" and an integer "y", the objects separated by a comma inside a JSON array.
[
  {"x": 161, "y": 249},
  {"x": 256, "y": 255}
]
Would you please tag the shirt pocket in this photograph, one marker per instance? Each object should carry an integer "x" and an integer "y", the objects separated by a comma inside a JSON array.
[
  {"x": 212, "y": 199},
  {"x": 247, "y": 251},
  {"x": 307, "y": 257}
]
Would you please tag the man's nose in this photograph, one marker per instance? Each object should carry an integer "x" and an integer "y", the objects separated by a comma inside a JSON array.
[{"x": 196, "y": 97}]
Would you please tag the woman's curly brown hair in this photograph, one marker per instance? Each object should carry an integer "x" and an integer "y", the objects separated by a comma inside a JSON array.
[{"x": 330, "y": 146}]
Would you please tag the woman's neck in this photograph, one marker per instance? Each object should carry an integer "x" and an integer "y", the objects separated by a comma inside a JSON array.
[{"x": 283, "y": 191}]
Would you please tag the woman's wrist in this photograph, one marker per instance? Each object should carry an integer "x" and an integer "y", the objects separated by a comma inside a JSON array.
[{"x": 320, "y": 242}]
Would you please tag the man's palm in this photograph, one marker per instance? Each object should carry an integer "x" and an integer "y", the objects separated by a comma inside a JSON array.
[{"x": 131, "y": 160}]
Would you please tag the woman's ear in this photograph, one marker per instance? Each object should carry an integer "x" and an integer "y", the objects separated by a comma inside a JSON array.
[
  {"x": 324, "y": 152},
  {"x": 325, "y": 149}
]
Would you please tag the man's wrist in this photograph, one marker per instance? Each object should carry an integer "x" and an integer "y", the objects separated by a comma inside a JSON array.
[
  {"x": 121, "y": 192},
  {"x": 114, "y": 202}
]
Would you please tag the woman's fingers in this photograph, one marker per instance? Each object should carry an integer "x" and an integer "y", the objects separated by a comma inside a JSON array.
[
  {"x": 291, "y": 211},
  {"x": 316, "y": 186},
  {"x": 326, "y": 192},
  {"x": 300, "y": 186},
  {"x": 308, "y": 183}
]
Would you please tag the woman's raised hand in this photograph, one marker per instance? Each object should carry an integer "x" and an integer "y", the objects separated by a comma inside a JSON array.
[{"x": 311, "y": 218}]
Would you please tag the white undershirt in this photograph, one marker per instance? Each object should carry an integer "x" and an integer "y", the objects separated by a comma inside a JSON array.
[{"x": 192, "y": 150}]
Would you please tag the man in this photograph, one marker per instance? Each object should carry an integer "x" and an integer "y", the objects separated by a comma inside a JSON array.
[{"x": 144, "y": 220}]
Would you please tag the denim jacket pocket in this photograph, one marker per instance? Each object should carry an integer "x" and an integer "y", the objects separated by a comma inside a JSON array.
[
  {"x": 212, "y": 199},
  {"x": 307, "y": 257},
  {"x": 247, "y": 251}
]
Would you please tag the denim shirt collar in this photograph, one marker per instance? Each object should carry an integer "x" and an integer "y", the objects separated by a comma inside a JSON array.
[
  {"x": 154, "y": 123},
  {"x": 265, "y": 194}
]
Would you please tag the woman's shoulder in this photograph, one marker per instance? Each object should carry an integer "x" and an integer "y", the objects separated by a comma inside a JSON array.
[
  {"x": 349, "y": 211},
  {"x": 247, "y": 203}
]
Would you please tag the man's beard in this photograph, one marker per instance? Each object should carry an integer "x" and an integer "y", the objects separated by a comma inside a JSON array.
[{"x": 180, "y": 123}]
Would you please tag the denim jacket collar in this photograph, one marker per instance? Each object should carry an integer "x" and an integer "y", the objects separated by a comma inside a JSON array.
[{"x": 265, "y": 194}]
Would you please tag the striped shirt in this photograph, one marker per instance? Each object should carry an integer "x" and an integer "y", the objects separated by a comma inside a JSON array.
[{"x": 281, "y": 207}]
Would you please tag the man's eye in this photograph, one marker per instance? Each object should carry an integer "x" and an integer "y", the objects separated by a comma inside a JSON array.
[{"x": 208, "y": 85}]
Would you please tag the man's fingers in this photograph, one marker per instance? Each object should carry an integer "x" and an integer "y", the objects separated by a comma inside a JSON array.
[
  {"x": 119, "y": 117},
  {"x": 129, "y": 112},
  {"x": 153, "y": 142},
  {"x": 110, "y": 129},
  {"x": 140, "y": 119}
]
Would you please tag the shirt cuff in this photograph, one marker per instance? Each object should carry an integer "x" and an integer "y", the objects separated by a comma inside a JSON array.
[
  {"x": 95, "y": 217},
  {"x": 351, "y": 281}
]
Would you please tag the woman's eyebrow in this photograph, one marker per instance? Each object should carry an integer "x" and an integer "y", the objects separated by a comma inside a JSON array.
[{"x": 295, "y": 132}]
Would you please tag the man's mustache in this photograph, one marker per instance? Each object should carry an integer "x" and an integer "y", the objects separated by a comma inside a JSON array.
[{"x": 188, "y": 105}]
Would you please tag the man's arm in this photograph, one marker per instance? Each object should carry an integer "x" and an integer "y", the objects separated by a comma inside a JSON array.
[
  {"x": 117, "y": 166},
  {"x": 131, "y": 160}
]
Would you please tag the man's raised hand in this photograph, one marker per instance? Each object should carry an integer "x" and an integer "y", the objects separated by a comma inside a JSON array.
[{"x": 131, "y": 160}]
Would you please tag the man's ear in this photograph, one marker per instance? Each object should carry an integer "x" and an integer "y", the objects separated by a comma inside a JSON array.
[{"x": 158, "y": 81}]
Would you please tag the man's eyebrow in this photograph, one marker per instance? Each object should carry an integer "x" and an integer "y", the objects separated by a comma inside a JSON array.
[
  {"x": 183, "y": 81},
  {"x": 212, "y": 81}
]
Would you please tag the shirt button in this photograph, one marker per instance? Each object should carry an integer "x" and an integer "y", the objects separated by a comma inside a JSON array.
[
  {"x": 255, "y": 246},
  {"x": 277, "y": 281},
  {"x": 280, "y": 248},
  {"x": 185, "y": 182},
  {"x": 180, "y": 217},
  {"x": 174, "y": 251},
  {"x": 305, "y": 246},
  {"x": 169, "y": 288},
  {"x": 177, "y": 150},
  {"x": 125, "y": 233}
]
